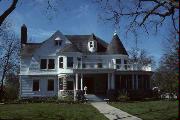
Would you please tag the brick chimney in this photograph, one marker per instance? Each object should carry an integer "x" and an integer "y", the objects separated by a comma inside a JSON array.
[{"x": 23, "y": 34}]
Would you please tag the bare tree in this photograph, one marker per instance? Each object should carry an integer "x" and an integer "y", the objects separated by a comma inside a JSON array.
[
  {"x": 9, "y": 58},
  {"x": 143, "y": 14},
  {"x": 141, "y": 57},
  {"x": 166, "y": 76},
  {"x": 8, "y": 11},
  {"x": 51, "y": 6}
]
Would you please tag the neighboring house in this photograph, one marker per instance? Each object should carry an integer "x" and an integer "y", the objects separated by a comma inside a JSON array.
[{"x": 63, "y": 64}]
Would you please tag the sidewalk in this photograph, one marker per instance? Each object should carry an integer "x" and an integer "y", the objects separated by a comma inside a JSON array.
[{"x": 113, "y": 113}]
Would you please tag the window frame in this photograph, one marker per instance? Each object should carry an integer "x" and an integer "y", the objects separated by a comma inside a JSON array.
[
  {"x": 45, "y": 65},
  {"x": 72, "y": 62},
  {"x": 60, "y": 83},
  {"x": 70, "y": 85},
  {"x": 50, "y": 80},
  {"x": 61, "y": 62},
  {"x": 118, "y": 60},
  {"x": 58, "y": 42},
  {"x": 100, "y": 65},
  {"x": 53, "y": 64},
  {"x": 33, "y": 86}
]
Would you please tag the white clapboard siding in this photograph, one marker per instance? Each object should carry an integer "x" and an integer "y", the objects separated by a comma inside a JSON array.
[{"x": 27, "y": 86}]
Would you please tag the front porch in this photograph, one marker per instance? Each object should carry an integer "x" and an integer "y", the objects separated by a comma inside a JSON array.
[
  {"x": 96, "y": 84},
  {"x": 99, "y": 84}
]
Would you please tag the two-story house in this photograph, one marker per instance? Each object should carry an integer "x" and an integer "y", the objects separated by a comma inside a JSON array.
[{"x": 63, "y": 64}]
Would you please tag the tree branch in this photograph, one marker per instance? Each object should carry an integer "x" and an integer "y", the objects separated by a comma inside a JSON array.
[{"x": 8, "y": 11}]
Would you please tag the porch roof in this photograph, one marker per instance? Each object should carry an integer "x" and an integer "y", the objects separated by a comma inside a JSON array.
[{"x": 140, "y": 72}]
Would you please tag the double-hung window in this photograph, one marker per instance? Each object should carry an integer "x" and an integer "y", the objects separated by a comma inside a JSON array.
[
  {"x": 60, "y": 62},
  {"x": 50, "y": 85},
  {"x": 51, "y": 64},
  {"x": 43, "y": 64},
  {"x": 118, "y": 63},
  {"x": 47, "y": 64},
  {"x": 70, "y": 62},
  {"x": 35, "y": 85}
]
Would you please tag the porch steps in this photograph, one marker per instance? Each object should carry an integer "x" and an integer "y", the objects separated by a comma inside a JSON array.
[{"x": 95, "y": 98}]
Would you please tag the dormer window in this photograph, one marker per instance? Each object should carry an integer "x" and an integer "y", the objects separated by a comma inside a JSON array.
[
  {"x": 92, "y": 46},
  {"x": 58, "y": 41}
]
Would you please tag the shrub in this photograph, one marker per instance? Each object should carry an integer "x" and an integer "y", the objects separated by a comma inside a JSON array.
[
  {"x": 112, "y": 95},
  {"x": 122, "y": 96},
  {"x": 80, "y": 96},
  {"x": 140, "y": 94}
]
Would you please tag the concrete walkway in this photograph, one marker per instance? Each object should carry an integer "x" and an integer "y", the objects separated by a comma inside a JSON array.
[
  {"x": 113, "y": 113},
  {"x": 94, "y": 98}
]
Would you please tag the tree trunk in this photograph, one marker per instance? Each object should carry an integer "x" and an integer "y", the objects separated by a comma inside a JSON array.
[{"x": 2, "y": 85}]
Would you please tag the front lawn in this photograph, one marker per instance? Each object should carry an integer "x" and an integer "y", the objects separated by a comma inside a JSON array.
[
  {"x": 49, "y": 111},
  {"x": 150, "y": 110}
]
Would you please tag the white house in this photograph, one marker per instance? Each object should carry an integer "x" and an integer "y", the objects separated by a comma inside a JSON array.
[{"x": 63, "y": 64}]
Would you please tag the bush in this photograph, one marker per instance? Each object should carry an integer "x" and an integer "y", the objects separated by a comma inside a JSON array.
[
  {"x": 68, "y": 98},
  {"x": 140, "y": 94},
  {"x": 80, "y": 96},
  {"x": 39, "y": 99},
  {"x": 123, "y": 96},
  {"x": 112, "y": 95},
  {"x": 10, "y": 93}
]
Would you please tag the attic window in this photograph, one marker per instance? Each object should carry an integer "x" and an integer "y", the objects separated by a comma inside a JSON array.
[
  {"x": 91, "y": 44},
  {"x": 58, "y": 41}
]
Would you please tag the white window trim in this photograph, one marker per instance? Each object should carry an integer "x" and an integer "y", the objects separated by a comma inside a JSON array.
[
  {"x": 47, "y": 63},
  {"x": 53, "y": 86},
  {"x": 33, "y": 85},
  {"x": 61, "y": 62},
  {"x": 67, "y": 62}
]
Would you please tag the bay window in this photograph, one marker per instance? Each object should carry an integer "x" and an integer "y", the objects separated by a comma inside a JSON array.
[{"x": 60, "y": 62}]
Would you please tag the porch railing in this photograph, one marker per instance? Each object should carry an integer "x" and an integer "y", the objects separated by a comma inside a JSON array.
[
  {"x": 102, "y": 65},
  {"x": 66, "y": 92}
]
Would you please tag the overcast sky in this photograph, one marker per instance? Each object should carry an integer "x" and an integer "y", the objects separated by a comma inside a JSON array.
[{"x": 76, "y": 17}]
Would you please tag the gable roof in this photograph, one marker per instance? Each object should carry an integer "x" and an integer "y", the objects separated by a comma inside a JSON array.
[
  {"x": 29, "y": 48},
  {"x": 79, "y": 43},
  {"x": 116, "y": 46},
  {"x": 70, "y": 48}
]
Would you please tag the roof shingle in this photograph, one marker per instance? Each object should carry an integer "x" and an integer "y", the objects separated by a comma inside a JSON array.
[{"x": 116, "y": 46}]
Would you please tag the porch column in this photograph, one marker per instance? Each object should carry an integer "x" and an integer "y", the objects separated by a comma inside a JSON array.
[
  {"x": 58, "y": 86},
  {"x": 112, "y": 82},
  {"x": 109, "y": 81},
  {"x": 137, "y": 82},
  {"x": 74, "y": 86},
  {"x": 133, "y": 81},
  {"x": 81, "y": 81},
  {"x": 76, "y": 81}
]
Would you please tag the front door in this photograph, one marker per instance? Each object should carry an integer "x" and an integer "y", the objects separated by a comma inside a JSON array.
[{"x": 89, "y": 83}]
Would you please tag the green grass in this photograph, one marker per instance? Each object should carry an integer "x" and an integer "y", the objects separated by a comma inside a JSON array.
[
  {"x": 49, "y": 111},
  {"x": 151, "y": 110}
]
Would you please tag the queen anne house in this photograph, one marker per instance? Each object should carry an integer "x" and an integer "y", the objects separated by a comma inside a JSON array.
[{"x": 63, "y": 64}]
